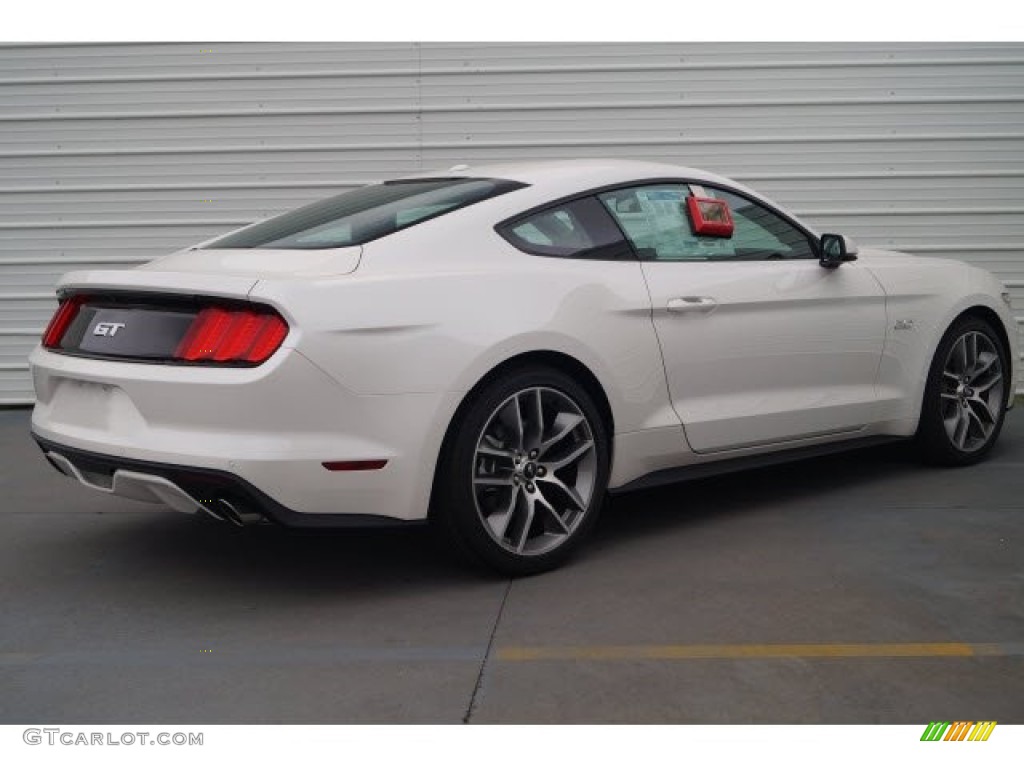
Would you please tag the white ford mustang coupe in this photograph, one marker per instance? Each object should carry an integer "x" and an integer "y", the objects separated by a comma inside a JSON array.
[{"x": 493, "y": 348}]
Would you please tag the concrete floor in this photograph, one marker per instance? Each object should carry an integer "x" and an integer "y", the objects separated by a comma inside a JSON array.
[{"x": 120, "y": 612}]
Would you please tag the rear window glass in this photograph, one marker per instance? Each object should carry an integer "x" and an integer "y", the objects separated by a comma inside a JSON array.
[{"x": 365, "y": 214}]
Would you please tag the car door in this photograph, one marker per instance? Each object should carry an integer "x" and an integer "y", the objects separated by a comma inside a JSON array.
[{"x": 761, "y": 344}]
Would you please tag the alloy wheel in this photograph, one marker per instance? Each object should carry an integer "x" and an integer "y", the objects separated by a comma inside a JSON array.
[
  {"x": 972, "y": 391},
  {"x": 534, "y": 471}
]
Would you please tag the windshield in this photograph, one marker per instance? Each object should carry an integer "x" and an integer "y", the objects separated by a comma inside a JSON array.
[{"x": 365, "y": 214}]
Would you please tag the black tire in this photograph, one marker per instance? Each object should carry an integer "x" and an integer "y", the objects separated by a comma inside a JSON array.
[
  {"x": 456, "y": 508},
  {"x": 943, "y": 397}
]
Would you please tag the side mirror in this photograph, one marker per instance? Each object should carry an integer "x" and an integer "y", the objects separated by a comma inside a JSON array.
[{"x": 835, "y": 249}]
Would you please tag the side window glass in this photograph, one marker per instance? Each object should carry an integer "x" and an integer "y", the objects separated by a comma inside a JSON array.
[
  {"x": 761, "y": 234},
  {"x": 578, "y": 229},
  {"x": 656, "y": 221}
]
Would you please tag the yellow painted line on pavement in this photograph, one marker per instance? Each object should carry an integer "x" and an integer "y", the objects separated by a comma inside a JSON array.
[{"x": 778, "y": 651}]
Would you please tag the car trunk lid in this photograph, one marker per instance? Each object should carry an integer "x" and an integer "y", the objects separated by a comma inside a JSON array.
[{"x": 261, "y": 263}]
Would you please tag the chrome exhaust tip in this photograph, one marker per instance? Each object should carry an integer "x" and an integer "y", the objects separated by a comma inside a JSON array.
[
  {"x": 215, "y": 515},
  {"x": 237, "y": 516}
]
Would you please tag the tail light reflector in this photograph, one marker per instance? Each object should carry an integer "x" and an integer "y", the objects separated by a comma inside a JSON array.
[
  {"x": 61, "y": 320},
  {"x": 232, "y": 335}
]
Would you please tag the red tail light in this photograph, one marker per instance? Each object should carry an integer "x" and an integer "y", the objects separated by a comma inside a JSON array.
[
  {"x": 61, "y": 320},
  {"x": 232, "y": 336}
]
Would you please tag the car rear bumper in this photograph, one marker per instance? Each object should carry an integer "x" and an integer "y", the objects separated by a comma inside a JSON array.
[
  {"x": 191, "y": 489},
  {"x": 261, "y": 433}
]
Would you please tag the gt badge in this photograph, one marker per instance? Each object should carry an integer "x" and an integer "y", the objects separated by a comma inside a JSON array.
[{"x": 107, "y": 329}]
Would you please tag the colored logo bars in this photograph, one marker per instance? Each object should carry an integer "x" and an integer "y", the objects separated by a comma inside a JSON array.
[{"x": 961, "y": 730}]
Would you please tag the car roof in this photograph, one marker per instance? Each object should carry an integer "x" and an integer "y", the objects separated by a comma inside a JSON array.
[
  {"x": 557, "y": 178},
  {"x": 549, "y": 180}
]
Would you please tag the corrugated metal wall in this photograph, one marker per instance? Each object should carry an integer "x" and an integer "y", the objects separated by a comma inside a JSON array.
[{"x": 114, "y": 154}]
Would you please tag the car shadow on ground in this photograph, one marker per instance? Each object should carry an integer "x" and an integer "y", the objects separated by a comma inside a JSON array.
[
  {"x": 270, "y": 557},
  {"x": 142, "y": 537},
  {"x": 668, "y": 507}
]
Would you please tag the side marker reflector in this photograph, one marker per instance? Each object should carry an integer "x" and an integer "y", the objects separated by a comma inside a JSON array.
[{"x": 355, "y": 466}]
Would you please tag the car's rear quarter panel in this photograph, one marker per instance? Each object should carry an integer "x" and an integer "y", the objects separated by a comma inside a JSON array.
[{"x": 436, "y": 310}]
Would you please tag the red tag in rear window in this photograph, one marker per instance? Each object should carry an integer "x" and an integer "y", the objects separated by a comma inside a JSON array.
[{"x": 709, "y": 217}]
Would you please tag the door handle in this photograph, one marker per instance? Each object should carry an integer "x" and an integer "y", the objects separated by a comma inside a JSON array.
[{"x": 692, "y": 304}]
